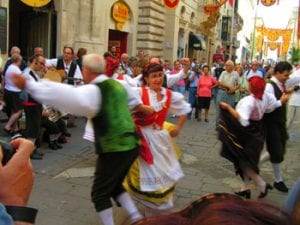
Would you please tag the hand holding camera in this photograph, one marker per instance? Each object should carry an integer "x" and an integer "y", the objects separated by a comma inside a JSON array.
[{"x": 16, "y": 174}]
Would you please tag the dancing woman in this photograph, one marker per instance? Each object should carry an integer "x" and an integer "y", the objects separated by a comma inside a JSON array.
[
  {"x": 153, "y": 177},
  {"x": 242, "y": 135}
]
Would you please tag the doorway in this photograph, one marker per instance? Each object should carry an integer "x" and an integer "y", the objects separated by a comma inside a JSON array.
[
  {"x": 118, "y": 39},
  {"x": 31, "y": 27}
]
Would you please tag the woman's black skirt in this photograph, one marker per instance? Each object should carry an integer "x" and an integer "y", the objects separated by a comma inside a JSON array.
[{"x": 241, "y": 145}]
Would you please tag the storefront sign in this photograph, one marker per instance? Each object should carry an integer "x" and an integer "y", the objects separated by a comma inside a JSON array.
[
  {"x": 36, "y": 3},
  {"x": 119, "y": 13},
  {"x": 171, "y": 4}
]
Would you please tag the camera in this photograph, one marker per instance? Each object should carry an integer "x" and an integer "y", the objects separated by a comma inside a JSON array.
[{"x": 7, "y": 151}]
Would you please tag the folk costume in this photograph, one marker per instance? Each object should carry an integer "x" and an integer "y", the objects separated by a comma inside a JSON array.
[
  {"x": 153, "y": 176},
  {"x": 106, "y": 102},
  {"x": 243, "y": 139}
]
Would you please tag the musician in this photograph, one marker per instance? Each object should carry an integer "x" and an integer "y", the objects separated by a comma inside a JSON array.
[{"x": 72, "y": 72}]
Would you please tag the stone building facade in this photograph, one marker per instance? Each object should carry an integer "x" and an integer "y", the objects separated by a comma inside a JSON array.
[{"x": 130, "y": 25}]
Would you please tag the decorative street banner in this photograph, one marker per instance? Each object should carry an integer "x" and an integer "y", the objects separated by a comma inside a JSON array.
[
  {"x": 298, "y": 31},
  {"x": 273, "y": 35},
  {"x": 36, "y": 3},
  {"x": 171, "y": 4},
  {"x": 268, "y": 2}
]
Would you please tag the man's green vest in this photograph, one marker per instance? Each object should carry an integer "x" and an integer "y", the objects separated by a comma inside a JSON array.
[{"x": 113, "y": 125}]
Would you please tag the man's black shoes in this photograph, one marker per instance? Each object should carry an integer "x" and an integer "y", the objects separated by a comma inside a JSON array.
[{"x": 280, "y": 186}]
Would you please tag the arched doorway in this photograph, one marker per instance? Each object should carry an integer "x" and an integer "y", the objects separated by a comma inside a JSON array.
[{"x": 30, "y": 27}]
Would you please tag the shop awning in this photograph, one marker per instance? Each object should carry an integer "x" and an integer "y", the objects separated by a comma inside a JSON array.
[{"x": 197, "y": 42}]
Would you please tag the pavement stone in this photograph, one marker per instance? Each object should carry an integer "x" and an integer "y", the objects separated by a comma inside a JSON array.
[{"x": 63, "y": 199}]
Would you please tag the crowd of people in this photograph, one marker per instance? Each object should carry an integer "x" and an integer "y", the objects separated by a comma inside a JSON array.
[{"x": 126, "y": 102}]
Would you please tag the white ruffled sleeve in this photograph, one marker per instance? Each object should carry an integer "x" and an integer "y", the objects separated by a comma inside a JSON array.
[{"x": 179, "y": 106}]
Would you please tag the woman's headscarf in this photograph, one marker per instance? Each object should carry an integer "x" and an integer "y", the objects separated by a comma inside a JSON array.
[{"x": 257, "y": 86}]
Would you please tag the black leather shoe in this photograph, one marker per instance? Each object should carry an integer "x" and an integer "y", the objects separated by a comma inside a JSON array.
[
  {"x": 264, "y": 194},
  {"x": 246, "y": 194},
  {"x": 35, "y": 155},
  {"x": 38, "y": 152},
  {"x": 57, "y": 145},
  {"x": 52, "y": 145},
  {"x": 67, "y": 134},
  {"x": 280, "y": 186}
]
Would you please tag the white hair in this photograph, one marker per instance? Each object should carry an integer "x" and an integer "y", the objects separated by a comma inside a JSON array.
[{"x": 94, "y": 62}]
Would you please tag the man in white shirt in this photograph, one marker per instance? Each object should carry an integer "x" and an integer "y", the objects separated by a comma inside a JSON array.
[
  {"x": 254, "y": 70},
  {"x": 72, "y": 72},
  {"x": 275, "y": 123}
]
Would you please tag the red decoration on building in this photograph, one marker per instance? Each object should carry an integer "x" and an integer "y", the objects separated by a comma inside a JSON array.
[{"x": 171, "y": 4}]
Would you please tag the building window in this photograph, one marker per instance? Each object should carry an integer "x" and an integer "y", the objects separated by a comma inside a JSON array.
[
  {"x": 182, "y": 11},
  {"x": 193, "y": 17}
]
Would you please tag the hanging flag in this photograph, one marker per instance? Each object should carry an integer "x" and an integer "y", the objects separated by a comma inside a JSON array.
[
  {"x": 231, "y": 3},
  {"x": 268, "y": 2},
  {"x": 171, "y": 4}
]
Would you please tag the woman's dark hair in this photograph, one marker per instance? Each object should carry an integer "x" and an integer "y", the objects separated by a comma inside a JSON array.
[
  {"x": 282, "y": 66},
  {"x": 223, "y": 209},
  {"x": 150, "y": 68},
  {"x": 81, "y": 52}
]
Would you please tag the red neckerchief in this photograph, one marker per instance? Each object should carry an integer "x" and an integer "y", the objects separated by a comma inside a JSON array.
[{"x": 120, "y": 77}]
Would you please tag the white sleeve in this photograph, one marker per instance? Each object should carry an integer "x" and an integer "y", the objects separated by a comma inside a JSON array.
[
  {"x": 83, "y": 101},
  {"x": 130, "y": 81},
  {"x": 272, "y": 102},
  {"x": 244, "y": 109},
  {"x": 51, "y": 62},
  {"x": 174, "y": 78},
  {"x": 269, "y": 89},
  {"x": 179, "y": 106},
  {"x": 133, "y": 98},
  {"x": 77, "y": 73},
  {"x": 293, "y": 81}
]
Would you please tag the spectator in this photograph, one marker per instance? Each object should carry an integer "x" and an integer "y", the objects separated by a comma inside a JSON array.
[
  {"x": 38, "y": 51},
  {"x": 180, "y": 85},
  {"x": 204, "y": 92},
  {"x": 14, "y": 107},
  {"x": 123, "y": 64},
  {"x": 14, "y": 51},
  {"x": 254, "y": 71},
  {"x": 228, "y": 84},
  {"x": 242, "y": 91},
  {"x": 32, "y": 108},
  {"x": 80, "y": 53},
  {"x": 192, "y": 89}
]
